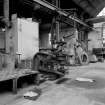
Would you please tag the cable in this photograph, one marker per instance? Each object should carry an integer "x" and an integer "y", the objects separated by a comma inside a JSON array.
[{"x": 28, "y": 2}]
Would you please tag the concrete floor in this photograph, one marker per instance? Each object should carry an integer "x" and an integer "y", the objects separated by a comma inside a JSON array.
[{"x": 70, "y": 91}]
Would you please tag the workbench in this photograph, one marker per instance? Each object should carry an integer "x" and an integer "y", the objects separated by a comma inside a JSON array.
[{"x": 15, "y": 75}]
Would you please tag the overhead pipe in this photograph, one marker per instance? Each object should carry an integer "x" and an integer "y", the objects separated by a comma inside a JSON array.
[{"x": 64, "y": 13}]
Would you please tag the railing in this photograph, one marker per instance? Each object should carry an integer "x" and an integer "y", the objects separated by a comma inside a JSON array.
[
  {"x": 8, "y": 61},
  {"x": 23, "y": 64}
]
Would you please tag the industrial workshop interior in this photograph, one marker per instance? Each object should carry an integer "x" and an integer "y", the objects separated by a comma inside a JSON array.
[{"x": 52, "y": 52}]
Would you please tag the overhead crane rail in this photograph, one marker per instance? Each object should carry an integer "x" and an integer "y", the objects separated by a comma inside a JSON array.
[{"x": 61, "y": 12}]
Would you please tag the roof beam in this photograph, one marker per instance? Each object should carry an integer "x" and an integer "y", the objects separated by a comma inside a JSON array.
[
  {"x": 96, "y": 20},
  {"x": 54, "y": 8}
]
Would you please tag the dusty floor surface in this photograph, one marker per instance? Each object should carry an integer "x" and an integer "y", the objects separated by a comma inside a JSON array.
[{"x": 69, "y": 91}]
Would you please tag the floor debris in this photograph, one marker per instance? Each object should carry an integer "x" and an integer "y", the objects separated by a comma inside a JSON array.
[
  {"x": 84, "y": 79},
  {"x": 33, "y": 94}
]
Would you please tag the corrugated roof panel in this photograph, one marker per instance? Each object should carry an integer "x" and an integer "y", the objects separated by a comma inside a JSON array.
[{"x": 93, "y": 7}]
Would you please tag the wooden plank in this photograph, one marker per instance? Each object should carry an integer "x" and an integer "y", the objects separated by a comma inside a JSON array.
[{"x": 16, "y": 74}]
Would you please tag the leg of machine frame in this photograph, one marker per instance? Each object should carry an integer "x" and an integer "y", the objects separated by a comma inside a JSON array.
[{"x": 14, "y": 86}]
